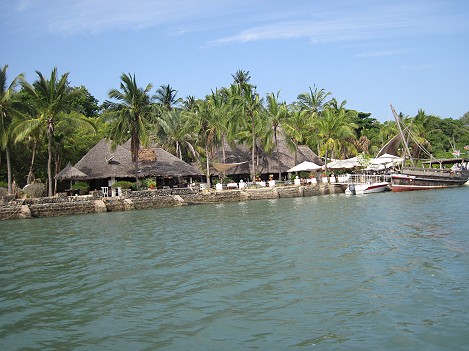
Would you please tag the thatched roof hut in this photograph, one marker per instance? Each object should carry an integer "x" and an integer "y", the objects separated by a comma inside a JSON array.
[
  {"x": 267, "y": 163},
  {"x": 71, "y": 173},
  {"x": 103, "y": 163}
]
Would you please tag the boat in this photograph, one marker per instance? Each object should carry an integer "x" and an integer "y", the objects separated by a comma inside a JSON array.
[
  {"x": 433, "y": 174},
  {"x": 360, "y": 184},
  {"x": 424, "y": 178}
]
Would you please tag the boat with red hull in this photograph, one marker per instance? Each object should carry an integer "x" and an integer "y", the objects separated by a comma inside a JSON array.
[
  {"x": 434, "y": 173},
  {"x": 410, "y": 179}
]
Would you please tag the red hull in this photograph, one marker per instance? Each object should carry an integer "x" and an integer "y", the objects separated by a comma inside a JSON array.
[{"x": 404, "y": 182}]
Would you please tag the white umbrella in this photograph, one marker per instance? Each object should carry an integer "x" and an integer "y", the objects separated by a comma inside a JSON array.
[
  {"x": 305, "y": 166},
  {"x": 343, "y": 164}
]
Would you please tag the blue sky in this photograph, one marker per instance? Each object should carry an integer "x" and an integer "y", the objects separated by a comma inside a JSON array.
[{"x": 413, "y": 53}]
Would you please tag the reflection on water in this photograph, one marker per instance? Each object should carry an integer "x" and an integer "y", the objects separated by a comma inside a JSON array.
[{"x": 384, "y": 271}]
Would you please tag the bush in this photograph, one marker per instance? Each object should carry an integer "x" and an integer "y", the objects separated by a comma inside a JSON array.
[
  {"x": 35, "y": 189},
  {"x": 123, "y": 184},
  {"x": 144, "y": 184},
  {"x": 82, "y": 187}
]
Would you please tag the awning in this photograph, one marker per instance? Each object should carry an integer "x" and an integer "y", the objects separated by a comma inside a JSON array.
[{"x": 222, "y": 167}]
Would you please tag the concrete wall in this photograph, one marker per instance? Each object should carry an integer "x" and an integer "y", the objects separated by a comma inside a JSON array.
[{"x": 69, "y": 205}]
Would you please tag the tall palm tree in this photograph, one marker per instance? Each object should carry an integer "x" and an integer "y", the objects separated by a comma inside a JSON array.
[
  {"x": 131, "y": 114},
  {"x": 297, "y": 127},
  {"x": 166, "y": 97},
  {"x": 9, "y": 107},
  {"x": 202, "y": 121},
  {"x": 250, "y": 106},
  {"x": 314, "y": 101},
  {"x": 49, "y": 97},
  {"x": 276, "y": 113},
  {"x": 241, "y": 77},
  {"x": 335, "y": 129},
  {"x": 172, "y": 133}
]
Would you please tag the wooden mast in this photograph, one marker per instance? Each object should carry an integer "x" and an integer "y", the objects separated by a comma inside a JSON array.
[{"x": 398, "y": 121}]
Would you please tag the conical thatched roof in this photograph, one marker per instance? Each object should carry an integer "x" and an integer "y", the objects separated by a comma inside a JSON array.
[
  {"x": 267, "y": 163},
  {"x": 101, "y": 163},
  {"x": 71, "y": 173}
]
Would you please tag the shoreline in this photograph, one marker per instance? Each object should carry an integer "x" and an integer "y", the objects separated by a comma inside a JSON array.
[{"x": 62, "y": 205}]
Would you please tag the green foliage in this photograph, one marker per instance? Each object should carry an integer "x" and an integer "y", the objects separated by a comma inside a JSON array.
[
  {"x": 123, "y": 184},
  {"x": 144, "y": 184},
  {"x": 81, "y": 101},
  {"x": 227, "y": 180},
  {"x": 3, "y": 184},
  {"x": 83, "y": 187}
]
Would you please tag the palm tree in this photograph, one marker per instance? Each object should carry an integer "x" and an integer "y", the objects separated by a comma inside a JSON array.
[
  {"x": 250, "y": 106},
  {"x": 49, "y": 97},
  {"x": 8, "y": 108},
  {"x": 241, "y": 77},
  {"x": 202, "y": 121},
  {"x": 166, "y": 97},
  {"x": 276, "y": 113},
  {"x": 172, "y": 133},
  {"x": 314, "y": 101},
  {"x": 223, "y": 121},
  {"x": 297, "y": 127},
  {"x": 335, "y": 129},
  {"x": 131, "y": 114}
]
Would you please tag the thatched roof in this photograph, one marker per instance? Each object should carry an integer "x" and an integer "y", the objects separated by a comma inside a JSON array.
[
  {"x": 166, "y": 165},
  {"x": 71, "y": 173},
  {"x": 267, "y": 163},
  {"x": 101, "y": 163},
  {"x": 147, "y": 155}
]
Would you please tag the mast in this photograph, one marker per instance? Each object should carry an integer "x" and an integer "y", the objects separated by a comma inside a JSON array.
[{"x": 404, "y": 141}]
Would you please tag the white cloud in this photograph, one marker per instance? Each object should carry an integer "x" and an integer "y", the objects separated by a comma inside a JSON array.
[
  {"x": 380, "y": 53},
  {"x": 419, "y": 67},
  {"x": 332, "y": 21}
]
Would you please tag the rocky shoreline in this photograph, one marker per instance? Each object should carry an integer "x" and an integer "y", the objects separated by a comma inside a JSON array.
[{"x": 61, "y": 204}]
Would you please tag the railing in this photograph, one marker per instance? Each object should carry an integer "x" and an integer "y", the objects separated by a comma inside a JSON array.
[{"x": 368, "y": 178}]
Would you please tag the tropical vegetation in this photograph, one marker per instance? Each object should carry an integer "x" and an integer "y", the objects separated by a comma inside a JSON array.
[{"x": 48, "y": 123}]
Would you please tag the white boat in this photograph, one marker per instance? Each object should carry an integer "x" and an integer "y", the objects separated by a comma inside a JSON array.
[{"x": 366, "y": 184}]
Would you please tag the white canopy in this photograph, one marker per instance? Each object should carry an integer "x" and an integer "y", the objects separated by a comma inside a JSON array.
[
  {"x": 305, "y": 166},
  {"x": 344, "y": 164}
]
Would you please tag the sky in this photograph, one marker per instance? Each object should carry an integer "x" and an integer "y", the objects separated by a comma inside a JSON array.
[{"x": 370, "y": 53}]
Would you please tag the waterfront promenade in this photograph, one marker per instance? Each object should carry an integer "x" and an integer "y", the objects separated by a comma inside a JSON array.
[{"x": 134, "y": 200}]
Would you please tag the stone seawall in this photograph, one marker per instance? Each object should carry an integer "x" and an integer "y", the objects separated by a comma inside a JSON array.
[{"x": 69, "y": 205}]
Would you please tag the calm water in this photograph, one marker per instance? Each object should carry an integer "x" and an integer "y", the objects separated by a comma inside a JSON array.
[{"x": 376, "y": 272}]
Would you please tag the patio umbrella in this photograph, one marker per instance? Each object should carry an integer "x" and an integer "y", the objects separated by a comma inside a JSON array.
[
  {"x": 305, "y": 166},
  {"x": 344, "y": 164}
]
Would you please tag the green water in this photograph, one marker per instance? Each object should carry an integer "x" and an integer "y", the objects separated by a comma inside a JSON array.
[{"x": 377, "y": 272}]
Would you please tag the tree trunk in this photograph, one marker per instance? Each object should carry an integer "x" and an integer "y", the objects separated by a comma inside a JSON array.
[
  {"x": 223, "y": 152},
  {"x": 49, "y": 165},
  {"x": 296, "y": 153},
  {"x": 56, "y": 171},
  {"x": 253, "y": 151},
  {"x": 278, "y": 157},
  {"x": 134, "y": 149},
  {"x": 178, "y": 150},
  {"x": 30, "y": 173},
  {"x": 207, "y": 165},
  {"x": 7, "y": 153}
]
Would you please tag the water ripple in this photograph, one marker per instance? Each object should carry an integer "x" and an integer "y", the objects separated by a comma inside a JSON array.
[{"x": 387, "y": 271}]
